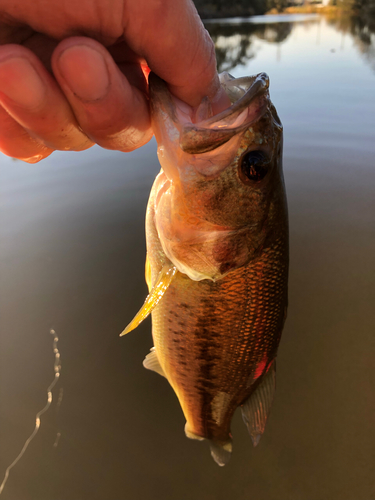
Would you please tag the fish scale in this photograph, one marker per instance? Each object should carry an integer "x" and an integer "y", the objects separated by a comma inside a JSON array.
[{"x": 238, "y": 345}]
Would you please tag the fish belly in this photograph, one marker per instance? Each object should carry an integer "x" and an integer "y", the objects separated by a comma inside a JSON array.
[{"x": 215, "y": 340}]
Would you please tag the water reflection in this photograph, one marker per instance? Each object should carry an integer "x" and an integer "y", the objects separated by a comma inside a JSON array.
[
  {"x": 362, "y": 30},
  {"x": 72, "y": 256},
  {"x": 235, "y": 42}
]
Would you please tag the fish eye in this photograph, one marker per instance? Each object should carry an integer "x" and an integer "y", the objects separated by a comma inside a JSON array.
[{"x": 254, "y": 166}]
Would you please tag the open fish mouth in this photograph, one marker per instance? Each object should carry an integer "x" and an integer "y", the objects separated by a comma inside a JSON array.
[{"x": 200, "y": 132}]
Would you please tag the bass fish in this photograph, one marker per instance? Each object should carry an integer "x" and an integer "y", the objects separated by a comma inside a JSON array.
[{"x": 217, "y": 257}]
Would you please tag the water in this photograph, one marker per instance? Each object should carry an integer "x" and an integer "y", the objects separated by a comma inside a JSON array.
[{"x": 72, "y": 259}]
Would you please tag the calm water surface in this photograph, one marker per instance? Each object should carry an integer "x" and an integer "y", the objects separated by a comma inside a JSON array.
[{"x": 72, "y": 258}]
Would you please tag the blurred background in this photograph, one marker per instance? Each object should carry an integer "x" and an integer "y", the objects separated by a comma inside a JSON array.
[{"x": 72, "y": 251}]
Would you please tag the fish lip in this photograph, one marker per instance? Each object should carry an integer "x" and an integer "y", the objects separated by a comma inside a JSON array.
[
  {"x": 213, "y": 132},
  {"x": 259, "y": 85},
  {"x": 204, "y": 136}
]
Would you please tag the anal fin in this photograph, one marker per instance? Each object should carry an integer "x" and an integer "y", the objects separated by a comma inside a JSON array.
[
  {"x": 151, "y": 362},
  {"x": 256, "y": 409},
  {"x": 154, "y": 297}
]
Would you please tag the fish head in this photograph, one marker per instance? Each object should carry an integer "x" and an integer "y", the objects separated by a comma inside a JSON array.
[{"x": 221, "y": 181}]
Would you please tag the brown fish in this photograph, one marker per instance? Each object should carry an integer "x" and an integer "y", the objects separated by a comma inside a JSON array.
[{"x": 217, "y": 265}]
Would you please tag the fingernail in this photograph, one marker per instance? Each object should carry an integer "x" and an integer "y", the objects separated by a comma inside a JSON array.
[
  {"x": 20, "y": 82},
  {"x": 85, "y": 72}
]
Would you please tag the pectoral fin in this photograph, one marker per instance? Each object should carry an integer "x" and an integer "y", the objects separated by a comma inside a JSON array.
[
  {"x": 256, "y": 409},
  {"x": 151, "y": 362},
  {"x": 162, "y": 283}
]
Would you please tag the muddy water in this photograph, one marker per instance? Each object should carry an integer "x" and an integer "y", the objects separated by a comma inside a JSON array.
[{"x": 72, "y": 259}]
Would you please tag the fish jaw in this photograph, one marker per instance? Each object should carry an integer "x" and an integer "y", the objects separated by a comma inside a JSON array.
[
  {"x": 210, "y": 223},
  {"x": 179, "y": 136}
]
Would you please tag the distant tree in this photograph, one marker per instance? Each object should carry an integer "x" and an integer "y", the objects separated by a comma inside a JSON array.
[
  {"x": 228, "y": 8},
  {"x": 279, "y": 5},
  {"x": 366, "y": 5},
  {"x": 228, "y": 55}
]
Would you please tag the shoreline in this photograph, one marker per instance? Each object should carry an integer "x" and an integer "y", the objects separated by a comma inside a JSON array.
[{"x": 329, "y": 10}]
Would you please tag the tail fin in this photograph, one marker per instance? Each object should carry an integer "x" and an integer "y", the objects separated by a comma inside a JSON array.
[{"x": 221, "y": 452}]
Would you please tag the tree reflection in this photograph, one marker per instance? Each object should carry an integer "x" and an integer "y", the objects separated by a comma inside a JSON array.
[
  {"x": 234, "y": 42},
  {"x": 362, "y": 28},
  {"x": 363, "y": 31},
  {"x": 235, "y": 46},
  {"x": 275, "y": 32}
]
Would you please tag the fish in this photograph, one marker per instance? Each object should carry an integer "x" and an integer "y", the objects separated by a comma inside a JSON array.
[{"x": 217, "y": 257}]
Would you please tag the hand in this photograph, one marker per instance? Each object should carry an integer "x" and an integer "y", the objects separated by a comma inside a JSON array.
[{"x": 72, "y": 71}]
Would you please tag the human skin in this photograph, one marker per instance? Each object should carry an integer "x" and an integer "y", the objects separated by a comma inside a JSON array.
[{"x": 72, "y": 72}]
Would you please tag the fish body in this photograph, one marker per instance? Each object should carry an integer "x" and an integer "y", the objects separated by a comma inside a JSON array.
[{"x": 217, "y": 257}]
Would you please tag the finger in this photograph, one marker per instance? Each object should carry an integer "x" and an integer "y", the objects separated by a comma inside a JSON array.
[
  {"x": 112, "y": 112},
  {"x": 13, "y": 34},
  {"x": 42, "y": 46},
  {"x": 32, "y": 98},
  {"x": 17, "y": 143},
  {"x": 171, "y": 37}
]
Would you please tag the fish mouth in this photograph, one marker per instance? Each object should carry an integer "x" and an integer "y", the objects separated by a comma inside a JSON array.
[{"x": 250, "y": 100}]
